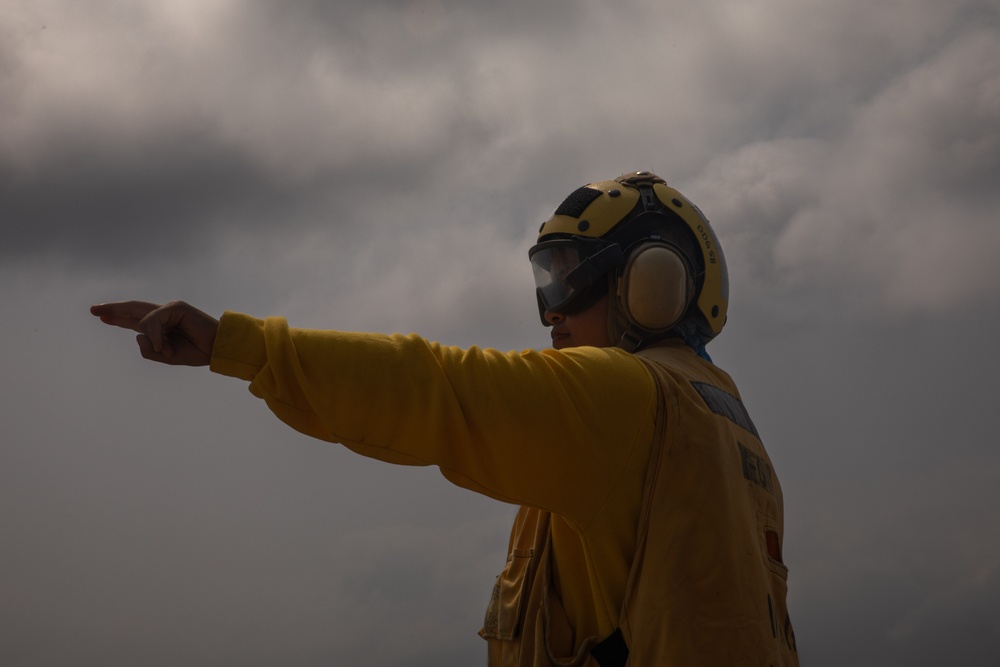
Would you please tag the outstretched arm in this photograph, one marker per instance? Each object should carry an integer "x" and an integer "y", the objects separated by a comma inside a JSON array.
[{"x": 174, "y": 333}]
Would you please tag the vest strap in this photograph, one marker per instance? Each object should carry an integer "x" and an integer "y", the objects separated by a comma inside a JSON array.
[{"x": 612, "y": 652}]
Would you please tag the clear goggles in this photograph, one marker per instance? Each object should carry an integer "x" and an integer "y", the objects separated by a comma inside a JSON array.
[{"x": 566, "y": 269}]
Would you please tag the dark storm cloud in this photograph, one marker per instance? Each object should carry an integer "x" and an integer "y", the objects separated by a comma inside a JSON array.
[
  {"x": 179, "y": 141},
  {"x": 162, "y": 195},
  {"x": 171, "y": 194},
  {"x": 324, "y": 18}
]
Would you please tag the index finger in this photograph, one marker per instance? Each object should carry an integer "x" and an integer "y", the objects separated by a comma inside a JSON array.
[{"x": 124, "y": 314}]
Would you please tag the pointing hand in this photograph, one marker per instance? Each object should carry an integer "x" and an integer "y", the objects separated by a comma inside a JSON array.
[{"x": 174, "y": 333}]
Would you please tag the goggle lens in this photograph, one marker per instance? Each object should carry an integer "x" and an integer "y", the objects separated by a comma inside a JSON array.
[{"x": 551, "y": 267}]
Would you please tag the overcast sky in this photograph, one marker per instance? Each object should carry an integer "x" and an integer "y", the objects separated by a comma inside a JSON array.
[{"x": 384, "y": 166}]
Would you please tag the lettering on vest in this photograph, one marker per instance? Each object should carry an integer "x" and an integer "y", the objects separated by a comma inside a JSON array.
[
  {"x": 726, "y": 405},
  {"x": 756, "y": 469}
]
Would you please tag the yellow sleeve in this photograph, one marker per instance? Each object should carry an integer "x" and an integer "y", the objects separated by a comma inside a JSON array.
[{"x": 530, "y": 428}]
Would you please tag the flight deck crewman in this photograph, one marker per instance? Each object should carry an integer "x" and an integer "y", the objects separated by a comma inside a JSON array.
[{"x": 650, "y": 523}]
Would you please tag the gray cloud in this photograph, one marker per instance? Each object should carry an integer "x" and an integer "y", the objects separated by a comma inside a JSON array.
[{"x": 900, "y": 189}]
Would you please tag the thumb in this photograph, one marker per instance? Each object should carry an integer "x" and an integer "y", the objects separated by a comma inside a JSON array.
[
  {"x": 151, "y": 330},
  {"x": 158, "y": 323},
  {"x": 147, "y": 350}
]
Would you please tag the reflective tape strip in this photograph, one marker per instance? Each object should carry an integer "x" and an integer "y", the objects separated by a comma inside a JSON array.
[{"x": 725, "y": 404}]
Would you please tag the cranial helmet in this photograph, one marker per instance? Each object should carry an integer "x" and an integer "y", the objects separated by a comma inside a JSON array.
[{"x": 645, "y": 245}]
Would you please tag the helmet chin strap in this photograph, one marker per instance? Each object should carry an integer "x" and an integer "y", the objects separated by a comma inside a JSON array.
[
  {"x": 628, "y": 342},
  {"x": 619, "y": 328}
]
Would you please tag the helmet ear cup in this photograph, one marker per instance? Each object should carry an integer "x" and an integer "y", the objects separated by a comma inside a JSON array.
[{"x": 656, "y": 287}]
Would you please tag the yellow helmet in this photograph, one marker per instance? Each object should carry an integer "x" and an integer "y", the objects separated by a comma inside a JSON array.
[{"x": 644, "y": 243}]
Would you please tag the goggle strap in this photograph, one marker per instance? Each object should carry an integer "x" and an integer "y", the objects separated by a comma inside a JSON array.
[{"x": 595, "y": 266}]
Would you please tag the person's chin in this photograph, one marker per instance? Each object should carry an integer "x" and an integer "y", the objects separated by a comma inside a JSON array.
[{"x": 560, "y": 341}]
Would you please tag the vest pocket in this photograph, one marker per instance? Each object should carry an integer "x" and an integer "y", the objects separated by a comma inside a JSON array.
[
  {"x": 777, "y": 607},
  {"x": 510, "y": 595}
]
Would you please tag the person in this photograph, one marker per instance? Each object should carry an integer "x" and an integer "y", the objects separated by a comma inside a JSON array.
[{"x": 650, "y": 522}]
